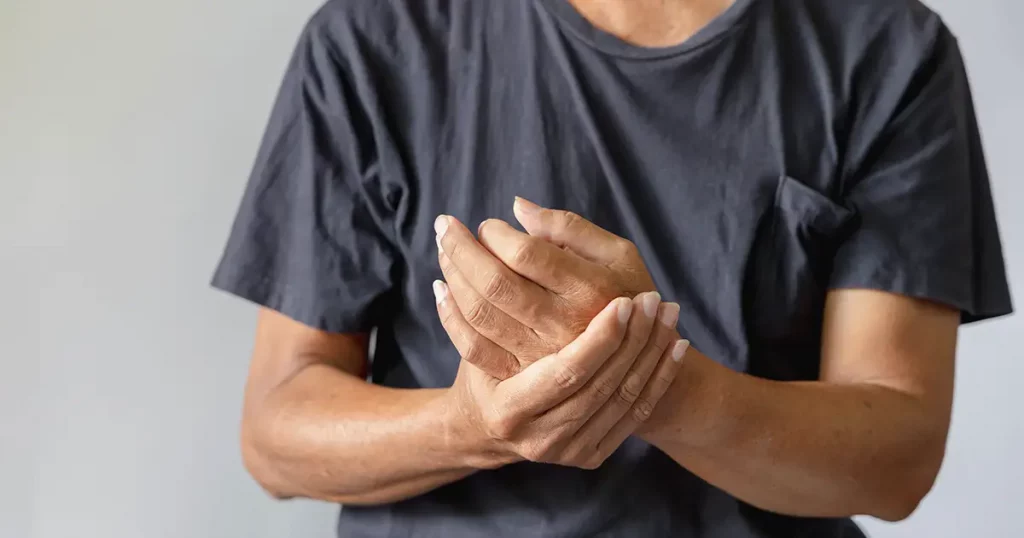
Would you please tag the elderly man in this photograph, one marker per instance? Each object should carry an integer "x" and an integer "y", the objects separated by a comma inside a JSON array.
[{"x": 745, "y": 327}]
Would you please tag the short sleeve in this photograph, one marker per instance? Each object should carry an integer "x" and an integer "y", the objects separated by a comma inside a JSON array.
[
  {"x": 314, "y": 235},
  {"x": 925, "y": 221}
]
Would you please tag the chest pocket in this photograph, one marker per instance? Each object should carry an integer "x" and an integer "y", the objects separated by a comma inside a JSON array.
[{"x": 788, "y": 278}]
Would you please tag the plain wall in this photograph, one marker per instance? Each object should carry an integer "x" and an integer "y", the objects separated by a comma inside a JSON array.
[{"x": 127, "y": 130}]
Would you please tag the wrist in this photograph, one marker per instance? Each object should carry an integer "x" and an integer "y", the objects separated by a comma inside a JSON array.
[
  {"x": 694, "y": 409},
  {"x": 465, "y": 440}
]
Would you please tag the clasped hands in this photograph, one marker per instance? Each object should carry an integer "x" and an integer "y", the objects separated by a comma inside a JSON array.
[{"x": 566, "y": 347}]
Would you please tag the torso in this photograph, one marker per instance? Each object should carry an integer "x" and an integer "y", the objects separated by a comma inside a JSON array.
[{"x": 722, "y": 158}]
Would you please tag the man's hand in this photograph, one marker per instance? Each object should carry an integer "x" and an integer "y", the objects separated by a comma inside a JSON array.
[
  {"x": 531, "y": 294},
  {"x": 576, "y": 406}
]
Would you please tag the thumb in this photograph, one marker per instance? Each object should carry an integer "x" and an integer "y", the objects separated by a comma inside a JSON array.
[{"x": 569, "y": 230}]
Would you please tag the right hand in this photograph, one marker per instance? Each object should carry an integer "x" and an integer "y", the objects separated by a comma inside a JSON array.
[
  {"x": 574, "y": 407},
  {"x": 533, "y": 293}
]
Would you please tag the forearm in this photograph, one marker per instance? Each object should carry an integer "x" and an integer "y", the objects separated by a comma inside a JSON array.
[
  {"x": 327, "y": 435},
  {"x": 805, "y": 449}
]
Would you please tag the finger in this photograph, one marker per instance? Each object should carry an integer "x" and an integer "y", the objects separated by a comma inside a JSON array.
[
  {"x": 569, "y": 230},
  {"x": 539, "y": 260},
  {"x": 494, "y": 324},
  {"x": 473, "y": 347},
  {"x": 549, "y": 381},
  {"x": 611, "y": 386},
  {"x": 496, "y": 283},
  {"x": 664, "y": 376},
  {"x": 631, "y": 396}
]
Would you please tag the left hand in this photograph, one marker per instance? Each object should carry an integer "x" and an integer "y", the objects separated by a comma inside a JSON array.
[
  {"x": 574, "y": 407},
  {"x": 532, "y": 294}
]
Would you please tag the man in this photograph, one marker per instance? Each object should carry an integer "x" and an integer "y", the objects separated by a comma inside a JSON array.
[{"x": 802, "y": 180}]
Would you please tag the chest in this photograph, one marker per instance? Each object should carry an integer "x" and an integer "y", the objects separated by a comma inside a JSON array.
[
  {"x": 682, "y": 141},
  {"x": 722, "y": 174}
]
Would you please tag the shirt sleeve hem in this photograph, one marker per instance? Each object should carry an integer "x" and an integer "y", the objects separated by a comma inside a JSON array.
[
  {"x": 926, "y": 287},
  {"x": 263, "y": 292}
]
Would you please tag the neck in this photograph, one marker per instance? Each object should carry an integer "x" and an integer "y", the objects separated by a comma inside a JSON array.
[{"x": 651, "y": 23}]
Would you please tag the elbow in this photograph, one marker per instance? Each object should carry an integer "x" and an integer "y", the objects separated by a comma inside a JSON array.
[
  {"x": 902, "y": 491},
  {"x": 900, "y": 505},
  {"x": 259, "y": 465}
]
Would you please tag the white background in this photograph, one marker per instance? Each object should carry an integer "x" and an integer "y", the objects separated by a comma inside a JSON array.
[{"x": 127, "y": 129}]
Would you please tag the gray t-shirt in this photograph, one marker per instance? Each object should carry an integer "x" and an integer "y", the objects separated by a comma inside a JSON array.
[{"x": 790, "y": 147}]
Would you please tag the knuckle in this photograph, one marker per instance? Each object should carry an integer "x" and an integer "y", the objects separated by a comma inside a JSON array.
[
  {"x": 642, "y": 410},
  {"x": 525, "y": 254},
  {"x": 572, "y": 221},
  {"x": 471, "y": 350},
  {"x": 572, "y": 226},
  {"x": 480, "y": 315},
  {"x": 533, "y": 313},
  {"x": 499, "y": 289},
  {"x": 570, "y": 419},
  {"x": 590, "y": 294},
  {"x": 605, "y": 389},
  {"x": 600, "y": 291},
  {"x": 629, "y": 392},
  {"x": 569, "y": 377},
  {"x": 666, "y": 375},
  {"x": 453, "y": 251},
  {"x": 608, "y": 288},
  {"x": 625, "y": 247},
  {"x": 666, "y": 379},
  {"x": 447, "y": 318},
  {"x": 536, "y": 347},
  {"x": 571, "y": 327},
  {"x": 485, "y": 225}
]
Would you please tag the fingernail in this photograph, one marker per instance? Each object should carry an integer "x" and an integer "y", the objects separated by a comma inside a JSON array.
[
  {"x": 669, "y": 315},
  {"x": 625, "y": 310},
  {"x": 650, "y": 303},
  {"x": 437, "y": 239},
  {"x": 526, "y": 207},
  {"x": 441, "y": 225},
  {"x": 440, "y": 291},
  {"x": 680, "y": 349}
]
